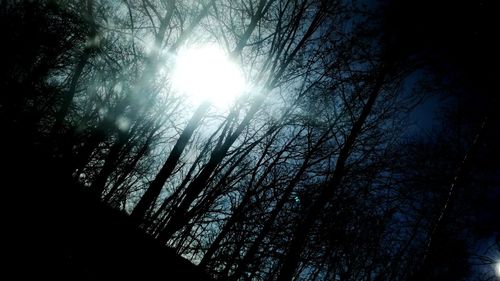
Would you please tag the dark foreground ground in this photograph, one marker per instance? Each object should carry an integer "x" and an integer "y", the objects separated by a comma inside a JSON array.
[{"x": 52, "y": 230}]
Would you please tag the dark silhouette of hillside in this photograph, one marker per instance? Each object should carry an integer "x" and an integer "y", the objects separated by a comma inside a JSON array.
[{"x": 57, "y": 231}]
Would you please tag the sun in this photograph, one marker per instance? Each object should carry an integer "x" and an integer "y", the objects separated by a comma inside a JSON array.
[{"x": 206, "y": 73}]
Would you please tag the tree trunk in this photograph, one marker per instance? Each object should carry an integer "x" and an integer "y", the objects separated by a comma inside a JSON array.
[
  {"x": 299, "y": 238},
  {"x": 149, "y": 198}
]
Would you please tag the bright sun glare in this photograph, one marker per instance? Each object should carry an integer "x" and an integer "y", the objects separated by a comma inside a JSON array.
[{"x": 207, "y": 73}]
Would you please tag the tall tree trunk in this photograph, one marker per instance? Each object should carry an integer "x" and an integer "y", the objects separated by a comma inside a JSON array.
[
  {"x": 299, "y": 238},
  {"x": 112, "y": 159},
  {"x": 179, "y": 217},
  {"x": 130, "y": 167},
  {"x": 154, "y": 189},
  {"x": 252, "y": 251}
]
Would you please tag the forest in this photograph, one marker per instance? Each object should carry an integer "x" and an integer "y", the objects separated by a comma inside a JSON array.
[{"x": 271, "y": 140}]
